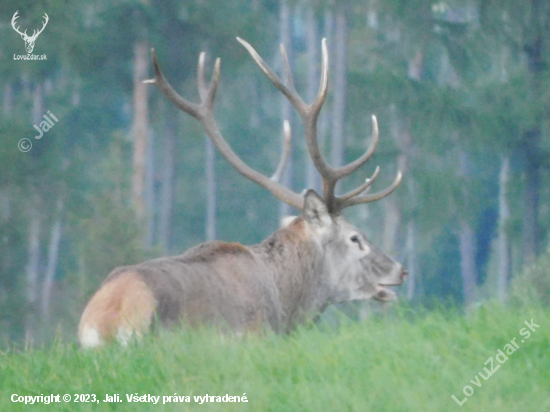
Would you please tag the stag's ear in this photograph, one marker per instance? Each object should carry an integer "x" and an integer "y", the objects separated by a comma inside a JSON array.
[
  {"x": 315, "y": 211},
  {"x": 287, "y": 220}
]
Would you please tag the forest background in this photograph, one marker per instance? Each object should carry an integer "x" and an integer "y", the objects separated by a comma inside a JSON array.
[{"x": 460, "y": 89}]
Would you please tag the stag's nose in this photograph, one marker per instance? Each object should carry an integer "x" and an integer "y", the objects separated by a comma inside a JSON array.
[{"x": 404, "y": 273}]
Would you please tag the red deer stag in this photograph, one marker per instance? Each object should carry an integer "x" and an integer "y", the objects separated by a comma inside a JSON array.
[{"x": 291, "y": 276}]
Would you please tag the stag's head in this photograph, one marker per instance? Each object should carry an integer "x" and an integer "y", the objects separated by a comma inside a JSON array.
[
  {"x": 352, "y": 266},
  {"x": 29, "y": 40}
]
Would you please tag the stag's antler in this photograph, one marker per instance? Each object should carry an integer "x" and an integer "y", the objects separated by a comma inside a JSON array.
[{"x": 204, "y": 112}]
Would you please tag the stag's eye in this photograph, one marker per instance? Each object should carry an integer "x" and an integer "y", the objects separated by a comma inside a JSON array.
[{"x": 355, "y": 239}]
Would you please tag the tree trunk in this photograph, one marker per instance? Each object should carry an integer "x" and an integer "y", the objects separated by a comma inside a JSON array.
[
  {"x": 392, "y": 219},
  {"x": 37, "y": 104},
  {"x": 313, "y": 178},
  {"x": 324, "y": 116},
  {"x": 285, "y": 32},
  {"x": 411, "y": 263},
  {"x": 167, "y": 188},
  {"x": 415, "y": 69},
  {"x": 467, "y": 263},
  {"x": 503, "y": 245},
  {"x": 210, "y": 172},
  {"x": 141, "y": 68},
  {"x": 33, "y": 268},
  {"x": 340, "y": 90},
  {"x": 467, "y": 248},
  {"x": 33, "y": 264},
  {"x": 7, "y": 99},
  {"x": 53, "y": 254},
  {"x": 531, "y": 139},
  {"x": 150, "y": 196}
]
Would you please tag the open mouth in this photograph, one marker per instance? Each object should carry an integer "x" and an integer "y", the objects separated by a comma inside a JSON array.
[
  {"x": 390, "y": 284},
  {"x": 394, "y": 282}
]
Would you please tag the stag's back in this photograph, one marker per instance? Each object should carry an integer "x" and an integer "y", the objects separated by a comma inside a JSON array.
[{"x": 213, "y": 283}]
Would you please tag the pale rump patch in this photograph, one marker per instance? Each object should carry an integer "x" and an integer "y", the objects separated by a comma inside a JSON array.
[
  {"x": 89, "y": 337},
  {"x": 119, "y": 309}
]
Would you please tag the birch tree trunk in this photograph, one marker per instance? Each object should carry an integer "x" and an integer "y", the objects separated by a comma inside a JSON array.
[
  {"x": 414, "y": 71},
  {"x": 37, "y": 104},
  {"x": 51, "y": 267},
  {"x": 324, "y": 116},
  {"x": 33, "y": 263},
  {"x": 149, "y": 192},
  {"x": 467, "y": 241},
  {"x": 340, "y": 89},
  {"x": 33, "y": 268},
  {"x": 392, "y": 218},
  {"x": 313, "y": 178},
  {"x": 7, "y": 99},
  {"x": 167, "y": 188},
  {"x": 140, "y": 128},
  {"x": 210, "y": 173},
  {"x": 412, "y": 260},
  {"x": 285, "y": 32},
  {"x": 467, "y": 263},
  {"x": 531, "y": 139},
  {"x": 503, "y": 245}
]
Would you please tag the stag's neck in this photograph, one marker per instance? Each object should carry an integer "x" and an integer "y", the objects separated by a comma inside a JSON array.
[{"x": 298, "y": 268}]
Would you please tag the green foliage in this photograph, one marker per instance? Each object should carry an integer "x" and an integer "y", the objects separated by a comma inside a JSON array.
[
  {"x": 408, "y": 361},
  {"x": 532, "y": 283},
  {"x": 113, "y": 237},
  {"x": 474, "y": 95}
]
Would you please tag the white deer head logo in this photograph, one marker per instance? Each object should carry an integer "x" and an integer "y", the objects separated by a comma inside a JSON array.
[{"x": 29, "y": 40}]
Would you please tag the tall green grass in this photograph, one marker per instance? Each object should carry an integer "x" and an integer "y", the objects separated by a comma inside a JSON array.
[{"x": 405, "y": 361}]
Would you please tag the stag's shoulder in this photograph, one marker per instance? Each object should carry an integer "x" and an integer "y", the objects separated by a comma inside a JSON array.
[{"x": 211, "y": 251}]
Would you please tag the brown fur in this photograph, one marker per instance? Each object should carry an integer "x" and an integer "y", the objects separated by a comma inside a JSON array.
[
  {"x": 275, "y": 285},
  {"x": 124, "y": 302}
]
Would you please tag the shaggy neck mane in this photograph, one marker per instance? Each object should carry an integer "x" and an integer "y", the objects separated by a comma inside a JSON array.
[{"x": 297, "y": 265}]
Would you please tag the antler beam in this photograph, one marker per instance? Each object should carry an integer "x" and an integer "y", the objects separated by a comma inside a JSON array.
[
  {"x": 204, "y": 113},
  {"x": 309, "y": 113}
]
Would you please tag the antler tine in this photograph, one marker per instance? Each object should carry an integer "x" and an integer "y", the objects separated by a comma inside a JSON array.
[
  {"x": 204, "y": 113},
  {"x": 208, "y": 94},
  {"x": 372, "y": 197},
  {"x": 356, "y": 164},
  {"x": 201, "y": 81},
  {"x": 310, "y": 124},
  {"x": 289, "y": 80},
  {"x": 285, "y": 154},
  {"x": 308, "y": 113},
  {"x": 323, "y": 82},
  {"x": 360, "y": 189},
  {"x": 290, "y": 94},
  {"x": 213, "y": 87},
  {"x": 168, "y": 91}
]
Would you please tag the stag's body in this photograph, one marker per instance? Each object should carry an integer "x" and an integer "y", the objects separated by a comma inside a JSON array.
[
  {"x": 293, "y": 275},
  {"x": 276, "y": 284}
]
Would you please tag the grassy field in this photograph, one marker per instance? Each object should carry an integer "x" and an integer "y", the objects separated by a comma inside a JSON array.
[{"x": 404, "y": 361}]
